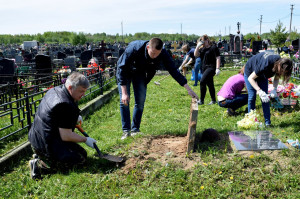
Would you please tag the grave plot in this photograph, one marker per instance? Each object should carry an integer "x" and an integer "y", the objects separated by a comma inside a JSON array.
[{"x": 168, "y": 149}]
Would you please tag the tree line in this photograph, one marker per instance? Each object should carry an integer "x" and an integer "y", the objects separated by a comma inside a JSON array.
[{"x": 278, "y": 37}]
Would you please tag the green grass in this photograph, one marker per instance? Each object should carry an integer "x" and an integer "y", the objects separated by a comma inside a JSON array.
[{"x": 221, "y": 173}]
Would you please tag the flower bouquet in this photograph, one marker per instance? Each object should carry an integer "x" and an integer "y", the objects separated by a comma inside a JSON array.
[
  {"x": 284, "y": 55},
  {"x": 250, "y": 121}
]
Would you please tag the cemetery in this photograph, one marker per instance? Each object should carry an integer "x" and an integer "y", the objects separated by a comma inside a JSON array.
[{"x": 184, "y": 150}]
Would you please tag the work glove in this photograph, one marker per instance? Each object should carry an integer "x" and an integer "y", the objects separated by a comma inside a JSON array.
[
  {"x": 217, "y": 71},
  {"x": 79, "y": 120},
  {"x": 90, "y": 142},
  {"x": 263, "y": 96},
  {"x": 273, "y": 93}
]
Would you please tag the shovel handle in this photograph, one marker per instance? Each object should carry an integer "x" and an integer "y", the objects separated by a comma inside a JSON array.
[
  {"x": 82, "y": 131},
  {"x": 86, "y": 135}
]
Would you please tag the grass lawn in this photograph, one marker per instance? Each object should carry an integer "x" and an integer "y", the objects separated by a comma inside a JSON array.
[{"x": 217, "y": 170}]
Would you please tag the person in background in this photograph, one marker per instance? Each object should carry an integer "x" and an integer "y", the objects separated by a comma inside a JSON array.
[
  {"x": 230, "y": 95},
  {"x": 198, "y": 61},
  {"x": 189, "y": 58},
  {"x": 138, "y": 65},
  {"x": 52, "y": 135},
  {"x": 210, "y": 57},
  {"x": 257, "y": 71}
]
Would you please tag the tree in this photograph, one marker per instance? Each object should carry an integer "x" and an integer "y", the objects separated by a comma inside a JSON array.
[{"x": 279, "y": 35}]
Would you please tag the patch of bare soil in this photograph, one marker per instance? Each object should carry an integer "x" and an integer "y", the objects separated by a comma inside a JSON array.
[{"x": 163, "y": 149}]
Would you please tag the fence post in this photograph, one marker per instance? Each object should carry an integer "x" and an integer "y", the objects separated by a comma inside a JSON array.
[
  {"x": 28, "y": 111},
  {"x": 100, "y": 82}
]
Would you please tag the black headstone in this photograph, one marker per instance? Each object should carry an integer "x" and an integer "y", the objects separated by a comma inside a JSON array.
[
  {"x": 71, "y": 62},
  {"x": 7, "y": 71},
  {"x": 256, "y": 47},
  {"x": 43, "y": 64},
  {"x": 98, "y": 53},
  {"x": 85, "y": 57},
  {"x": 61, "y": 55},
  {"x": 295, "y": 44}
]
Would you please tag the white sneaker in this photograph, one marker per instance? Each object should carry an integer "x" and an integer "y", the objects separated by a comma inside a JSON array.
[
  {"x": 125, "y": 135},
  {"x": 134, "y": 133}
]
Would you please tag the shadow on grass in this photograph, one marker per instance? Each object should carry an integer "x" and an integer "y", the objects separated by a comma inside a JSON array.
[{"x": 210, "y": 139}]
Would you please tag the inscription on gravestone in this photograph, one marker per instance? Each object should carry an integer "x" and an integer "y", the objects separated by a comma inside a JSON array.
[{"x": 255, "y": 141}]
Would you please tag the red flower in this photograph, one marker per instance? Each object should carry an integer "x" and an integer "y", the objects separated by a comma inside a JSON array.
[
  {"x": 285, "y": 95},
  {"x": 293, "y": 94}
]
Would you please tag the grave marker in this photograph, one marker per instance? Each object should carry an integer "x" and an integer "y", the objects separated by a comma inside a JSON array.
[{"x": 191, "y": 134}]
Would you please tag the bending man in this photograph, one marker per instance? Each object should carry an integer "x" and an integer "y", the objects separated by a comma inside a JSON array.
[{"x": 138, "y": 65}]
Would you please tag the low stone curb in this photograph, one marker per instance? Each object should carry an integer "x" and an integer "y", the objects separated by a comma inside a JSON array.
[{"x": 25, "y": 148}]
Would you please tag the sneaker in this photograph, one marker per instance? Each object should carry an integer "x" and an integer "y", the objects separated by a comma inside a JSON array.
[
  {"x": 134, "y": 133},
  {"x": 195, "y": 85},
  {"x": 125, "y": 135},
  {"x": 230, "y": 112},
  {"x": 35, "y": 156},
  {"x": 35, "y": 172},
  {"x": 212, "y": 102},
  {"x": 200, "y": 102},
  {"x": 269, "y": 125}
]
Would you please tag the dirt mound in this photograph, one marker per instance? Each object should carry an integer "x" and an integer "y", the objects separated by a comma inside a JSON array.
[{"x": 162, "y": 149}]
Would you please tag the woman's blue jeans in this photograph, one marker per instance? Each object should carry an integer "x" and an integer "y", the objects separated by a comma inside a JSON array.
[
  {"x": 197, "y": 69},
  {"x": 139, "y": 89},
  {"x": 263, "y": 84},
  {"x": 235, "y": 103}
]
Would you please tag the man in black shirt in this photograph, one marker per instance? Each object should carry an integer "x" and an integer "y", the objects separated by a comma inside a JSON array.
[{"x": 52, "y": 135}]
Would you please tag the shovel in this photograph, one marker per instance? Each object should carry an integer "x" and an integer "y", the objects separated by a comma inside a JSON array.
[{"x": 108, "y": 157}]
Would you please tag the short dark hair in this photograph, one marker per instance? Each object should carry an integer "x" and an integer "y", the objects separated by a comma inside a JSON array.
[{"x": 156, "y": 43}]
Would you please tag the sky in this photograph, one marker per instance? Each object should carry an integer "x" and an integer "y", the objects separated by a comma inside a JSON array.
[{"x": 212, "y": 17}]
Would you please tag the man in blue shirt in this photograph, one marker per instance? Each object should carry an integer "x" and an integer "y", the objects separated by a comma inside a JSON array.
[{"x": 138, "y": 65}]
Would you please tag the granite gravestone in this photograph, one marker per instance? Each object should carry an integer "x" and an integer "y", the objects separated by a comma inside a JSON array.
[
  {"x": 255, "y": 141},
  {"x": 7, "y": 71}
]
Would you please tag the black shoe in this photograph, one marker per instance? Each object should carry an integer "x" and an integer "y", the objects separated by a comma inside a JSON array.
[
  {"x": 200, "y": 102},
  {"x": 35, "y": 171},
  {"x": 230, "y": 112},
  {"x": 195, "y": 85},
  {"x": 212, "y": 102}
]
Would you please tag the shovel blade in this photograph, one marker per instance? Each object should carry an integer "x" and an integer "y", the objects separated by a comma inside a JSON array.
[{"x": 111, "y": 158}]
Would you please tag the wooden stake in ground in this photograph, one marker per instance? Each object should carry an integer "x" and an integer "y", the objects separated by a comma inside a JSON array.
[{"x": 192, "y": 126}]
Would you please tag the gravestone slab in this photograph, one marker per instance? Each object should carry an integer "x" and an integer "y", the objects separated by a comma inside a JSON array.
[{"x": 255, "y": 141}]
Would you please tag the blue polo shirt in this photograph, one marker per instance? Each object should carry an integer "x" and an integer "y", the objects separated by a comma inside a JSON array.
[{"x": 262, "y": 64}]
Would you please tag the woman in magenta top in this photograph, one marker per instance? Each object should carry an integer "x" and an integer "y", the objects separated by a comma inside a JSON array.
[{"x": 230, "y": 96}]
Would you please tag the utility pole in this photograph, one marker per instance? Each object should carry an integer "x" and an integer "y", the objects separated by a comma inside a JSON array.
[
  {"x": 292, "y": 7},
  {"x": 122, "y": 30},
  {"x": 260, "y": 20},
  {"x": 181, "y": 29}
]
